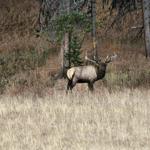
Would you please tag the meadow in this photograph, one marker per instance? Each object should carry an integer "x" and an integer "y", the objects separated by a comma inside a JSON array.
[
  {"x": 104, "y": 120},
  {"x": 36, "y": 113}
]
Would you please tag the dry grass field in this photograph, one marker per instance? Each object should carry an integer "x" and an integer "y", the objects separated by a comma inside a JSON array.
[
  {"x": 36, "y": 113},
  {"x": 116, "y": 120}
]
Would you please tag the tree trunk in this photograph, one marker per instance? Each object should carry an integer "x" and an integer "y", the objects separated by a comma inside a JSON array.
[
  {"x": 63, "y": 51},
  {"x": 146, "y": 16},
  {"x": 65, "y": 8},
  {"x": 93, "y": 3}
]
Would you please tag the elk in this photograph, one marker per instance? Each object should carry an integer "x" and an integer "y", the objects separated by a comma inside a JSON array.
[{"x": 89, "y": 73}]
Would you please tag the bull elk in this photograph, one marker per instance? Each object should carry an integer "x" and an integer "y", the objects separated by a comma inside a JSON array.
[{"x": 89, "y": 73}]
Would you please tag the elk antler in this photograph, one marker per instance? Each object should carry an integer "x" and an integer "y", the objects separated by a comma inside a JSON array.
[
  {"x": 110, "y": 58},
  {"x": 90, "y": 60}
]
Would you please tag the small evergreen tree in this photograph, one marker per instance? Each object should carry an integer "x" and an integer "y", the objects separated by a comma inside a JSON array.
[
  {"x": 76, "y": 24},
  {"x": 74, "y": 52}
]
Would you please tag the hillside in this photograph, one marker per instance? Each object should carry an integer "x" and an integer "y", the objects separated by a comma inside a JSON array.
[{"x": 28, "y": 61}]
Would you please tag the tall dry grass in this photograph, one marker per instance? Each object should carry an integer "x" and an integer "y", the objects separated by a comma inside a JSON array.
[
  {"x": 102, "y": 121},
  {"x": 115, "y": 117}
]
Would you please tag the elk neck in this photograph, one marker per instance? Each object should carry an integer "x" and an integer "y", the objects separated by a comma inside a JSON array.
[{"x": 101, "y": 70}]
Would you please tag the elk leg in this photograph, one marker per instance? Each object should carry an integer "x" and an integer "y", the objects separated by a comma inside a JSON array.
[
  {"x": 69, "y": 85},
  {"x": 90, "y": 86},
  {"x": 73, "y": 84}
]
